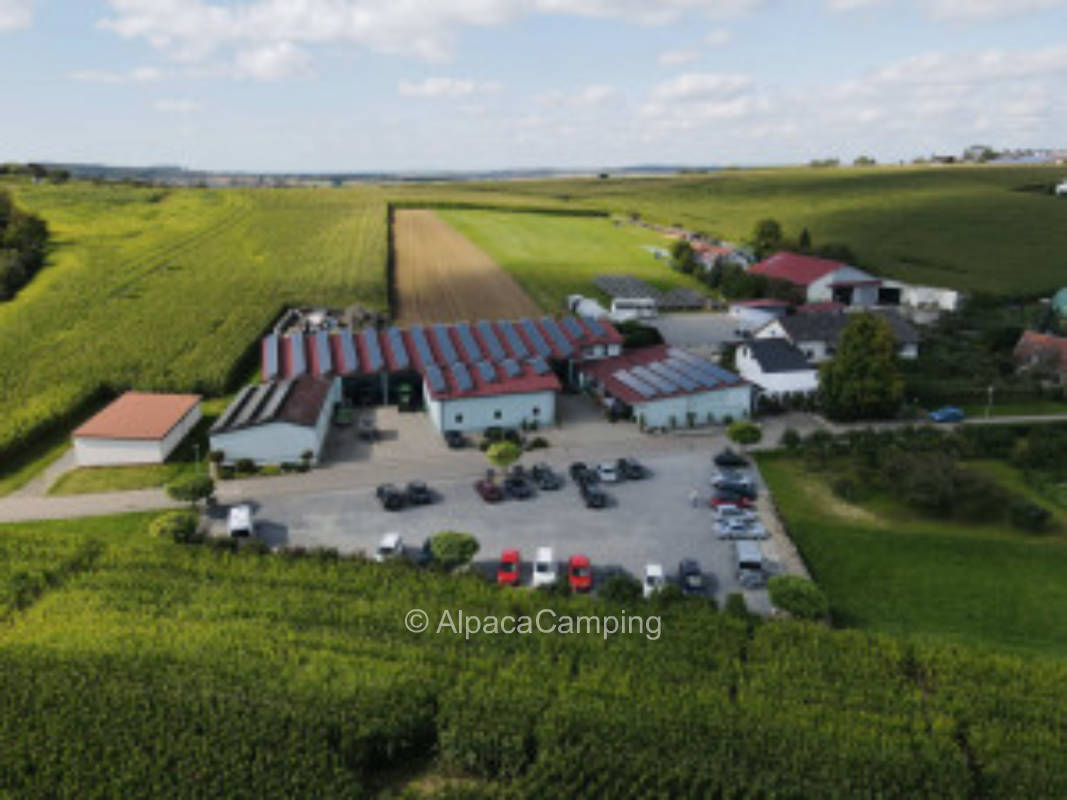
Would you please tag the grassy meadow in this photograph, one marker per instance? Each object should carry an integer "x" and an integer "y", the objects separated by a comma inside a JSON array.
[
  {"x": 131, "y": 665},
  {"x": 167, "y": 290},
  {"x": 884, "y": 568}
]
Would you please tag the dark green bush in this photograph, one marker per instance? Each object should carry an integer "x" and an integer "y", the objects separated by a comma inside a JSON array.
[
  {"x": 452, "y": 548},
  {"x": 799, "y": 596},
  {"x": 620, "y": 588}
]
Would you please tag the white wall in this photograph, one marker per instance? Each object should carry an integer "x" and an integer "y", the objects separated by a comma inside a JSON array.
[
  {"x": 820, "y": 291},
  {"x": 735, "y": 402},
  {"x": 751, "y": 318},
  {"x": 479, "y": 413},
  {"x": 775, "y": 383},
  {"x": 90, "y": 451},
  {"x": 181, "y": 430},
  {"x": 273, "y": 443}
]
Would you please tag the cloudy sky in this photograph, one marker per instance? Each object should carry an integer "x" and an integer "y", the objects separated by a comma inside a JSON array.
[{"x": 278, "y": 85}]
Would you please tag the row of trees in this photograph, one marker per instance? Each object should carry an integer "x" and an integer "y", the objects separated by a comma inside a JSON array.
[{"x": 23, "y": 245}]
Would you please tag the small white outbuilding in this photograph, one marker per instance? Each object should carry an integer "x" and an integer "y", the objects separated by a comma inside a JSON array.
[{"x": 138, "y": 428}]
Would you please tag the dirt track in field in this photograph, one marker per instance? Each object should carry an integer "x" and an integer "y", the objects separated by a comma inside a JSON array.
[{"x": 441, "y": 276}]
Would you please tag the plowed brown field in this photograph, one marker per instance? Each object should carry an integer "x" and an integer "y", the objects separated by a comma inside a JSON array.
[{"x": 442, "y": 277}]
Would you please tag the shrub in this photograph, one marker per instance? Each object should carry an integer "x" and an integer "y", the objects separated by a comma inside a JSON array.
[
  {"x": 246, "y": 465},
  {"x": 1029, "y": 516},
  {"x": 736, "y": 606},
  {"x": 743, "y": 432},
  {"x": 179, "y": 526},
  {"x": 620, "y": 588},
  {"x": 191, "y": 488},
  {"x": 503, "y": 454},
  {"x": 790, "y": 440},
  {"x": 799, "y": 596},
  {"x": 452, "y": 548}
]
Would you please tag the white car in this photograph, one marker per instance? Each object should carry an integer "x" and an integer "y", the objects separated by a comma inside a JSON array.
[
  {"x": 545, "y": 570},
  {"x": 726, "y": 511},
  {"x": 737, "y": 528},
  {"x": 608, "y": 472},
  {"x": 389, "y": 547},
  {"x": 239, "y": 521},
  {"x": 654, "y": 579}
]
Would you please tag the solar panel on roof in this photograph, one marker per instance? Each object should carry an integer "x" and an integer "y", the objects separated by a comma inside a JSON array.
[
  {"x": 234, "y": 408},
  {"x": 322, "y": 351},
  {"x": 535, "y": 337},
  {"x": 444, "y": 343},
  {"x": 252, "y": 404},
  {"x": 422, "y": 347},
  {"x": 270, "y": 356},
  {"x": 723, "y": 374},
  {"x": 274, "y": 402},
  {"x": 348, "y": 351},
  {"x": 463, "y": 378},
  {"x": 298, "y": 356},
  {"x": 396, "y": 345},
  {"x": 660, "y": 368},
  {"x": 639, "y": 386},
  {"x": 595, "y": 326},
  {"x": 373, "y": 346},
  {"x": 466, "y": 341},
  {"x": 511, "y": 367},
  {"x": 435, "y": 378},
  {"x": 557, "y": 336},
  {"x": 650, "y": 377},
  {"x": 496, "y": 351},
  {"x": 518, "y": 349},
  {"x": 540, "y": 366},
  {"x": 486, "y": 370},
  {"x": 573, "y": 328},
  {"x": 691, "y": 370}
]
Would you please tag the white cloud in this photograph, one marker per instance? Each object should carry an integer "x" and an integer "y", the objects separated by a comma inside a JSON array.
[
  {"x": 446, "y": 87},
  {"x": 719, "y": 37},
  {"x": 674, "y": 57},
  {"x": 273, "y": 62},
  {"x": 971, "y": 10},
  {"x": 16, "y": 14},
  {"x": 693, "y": 86},
  {"x": 597, "y": 94},
  {"x": 851, "y": 5},
  {"x": 135, "y": 75},
  {"x": 176, "y": 106}
]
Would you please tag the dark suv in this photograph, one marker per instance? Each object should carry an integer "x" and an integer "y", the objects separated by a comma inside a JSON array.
[
  {"x": 419, "y": 494},
  {"x": 390, "y": 496},
  {"x": 545, "y": 478},
  {"x": 631, "y": 469}
]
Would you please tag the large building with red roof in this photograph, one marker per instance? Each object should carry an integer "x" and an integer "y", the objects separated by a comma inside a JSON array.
[
  {"x": 826, "y": 281},
  {"x": 137, "y": 428}
]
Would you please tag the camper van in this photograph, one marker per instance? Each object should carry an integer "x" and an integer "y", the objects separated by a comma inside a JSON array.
[
  {"x": 624, "y": 309},
  {"x": 749, "y": 564}
]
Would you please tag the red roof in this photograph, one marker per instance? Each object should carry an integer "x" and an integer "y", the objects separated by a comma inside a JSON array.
[
  {"x": 139, "y": 415},
  {"x": 604, "y": 371},
  {"x": 820, "y": 308},
  {"x": 1033, "y": 347},
  {"x": 763, "y": 302},
  {"x": 795, "y": 268},
  {"x": 525, "y": 382}
]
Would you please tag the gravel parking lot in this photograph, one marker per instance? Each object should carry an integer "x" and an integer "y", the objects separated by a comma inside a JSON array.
[{"x": 647, "y": 521}]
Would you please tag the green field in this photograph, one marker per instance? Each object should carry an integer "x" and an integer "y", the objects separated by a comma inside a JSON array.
[
  {"x": 167, "y": 290},
  {"x": 132, "y": 666},
  {"x": 552, "y": 255},
  {"x": 961, "y": 227},
  {"x": 886, "y": 569}
]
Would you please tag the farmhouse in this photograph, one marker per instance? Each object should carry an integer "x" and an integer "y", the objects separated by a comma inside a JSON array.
[
  {"x": 821, "y": 279},
  {"x": 777, "y": 367},
  {"x": 278, "y": 421},
  {"x": 469, "y": 376},
  {"x": 1042, "y": 353},
  {"x": 818, "y": 335},
  {"x": 667, "y": 387},
  {"x": 138, "y": 428}
]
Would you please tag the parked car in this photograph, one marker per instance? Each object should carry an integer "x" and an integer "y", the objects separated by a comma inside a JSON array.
[
  {"x": 545, "y": 571},
  {"x": 727, "y": 476},
  {"x": 367, "y": 429},
  {"x": 422, "y": 557},
  {"x": 518, "y": 487},
  {"x": 631, "y": 469},
  {"x": 239, "y": 521},
  {"x": 729, "y": 458},
  {"x": 456, "y": 440},
  {"x": 723, "y": 497},
  {"x": 730, "y": 511},
  {"x": 390, "y": 546},
  {"x": 607, "y": 472},
  {"x": 545, "y": 478},
  {"x": 489, "y": 491},
  {"x": 580, "y": 473},
  {"x": 749, "y": 557},
  {"x": 390, "y": 496},
  {"x": 737, "y": 528},
  {"x": 948, "y": 414},
  {"x": 580, "y": 573},
  {"x": 593, "y": 497},
  {"x": 736, "y": 489},
  {"x": 690, "y": 576},
  {"x": 654, "y": 580},
  {"x": 507, "y": 573},
  {"x": 419, "y": 493}
]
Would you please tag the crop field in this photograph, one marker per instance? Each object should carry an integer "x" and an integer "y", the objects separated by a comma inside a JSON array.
[
  {"x": 131, "y": 665},
  {"x": 443, "y": 277},
  {"x": 885, "y": 569},
  {"x": 165, "y": 290},
  {"x": 552, "y": 255},
  {"x": 972, "y": 228}
]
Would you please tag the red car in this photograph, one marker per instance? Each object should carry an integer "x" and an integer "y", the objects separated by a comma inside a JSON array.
[
  {"x": 489, "y": 491},
  {"x": 507, "y": 574},
  {"x": 580, "y": 574},
  {"x": 732, "y": 500}
]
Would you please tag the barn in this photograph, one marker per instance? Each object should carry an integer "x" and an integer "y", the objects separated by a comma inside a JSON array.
[
  {"x": 137, "y": 428},
  {"x": 668, "y": 387}
]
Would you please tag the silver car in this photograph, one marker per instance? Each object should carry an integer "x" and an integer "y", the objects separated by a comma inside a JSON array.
[{"x": 739, "y": 529}]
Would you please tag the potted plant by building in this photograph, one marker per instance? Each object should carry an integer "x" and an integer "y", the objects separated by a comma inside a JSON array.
[{"x": 305, "y": 460}]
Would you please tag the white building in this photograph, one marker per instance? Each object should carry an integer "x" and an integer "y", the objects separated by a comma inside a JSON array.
[
  {"x": 822, "y": 280},
  {"x": 776, "y": 367},
  {"x": 817, "y": 335},
  {"x": 667, "y": 387},
  {"x": 585, "y": 306},
  {"x": 138, "y": 428},
  {"x": 753, "y": 314},
  {"x": 1061, "y": 188},
  {"x": 277, "y": 422},
  {"x": 461, "y": 398}
]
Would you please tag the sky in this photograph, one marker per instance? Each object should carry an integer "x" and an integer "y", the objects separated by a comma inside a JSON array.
[{"x": 399, "y": 85}]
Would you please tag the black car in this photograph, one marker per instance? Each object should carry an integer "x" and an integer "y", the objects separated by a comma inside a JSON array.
[
  {"x": 455, "y": 440},
  {"x": 593, "y": 497},
  {"x": 419, "y": 493},
  {"x": 690, "y": 577},
  {"x": 728, "y": 458},
  {"x": 422, "y": 557},
  {"x": 582, "y": 474},
  {"x": 745, "y": 490},
  {"x": 545, "y": 478},
  {"x": 390, "y": 496},
  {"x": 518, "y": 487},
  {"x": 631, "y": 469}
]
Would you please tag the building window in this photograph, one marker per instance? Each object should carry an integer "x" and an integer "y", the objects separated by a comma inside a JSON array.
[
  {"x": 459, "y": 419},
  {"x": 497, "y": 414},
  {"x": 537, "y": 411}
]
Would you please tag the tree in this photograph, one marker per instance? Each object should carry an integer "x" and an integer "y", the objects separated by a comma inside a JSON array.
[
  {"x": 863, "y": 381},
  {"x": 191, "y": 488},
  {"x": 864, "y": 161},
  {"x": 452, "y": 549},
  {"x": 799, "y": 596},
  {"x": 767, "y": 235},
  {"x": 744, "y": 432},
  {"x": 683, "y": 257},
  {"x": 805, "y": 241},
  {"x": 503, "y": 454}
]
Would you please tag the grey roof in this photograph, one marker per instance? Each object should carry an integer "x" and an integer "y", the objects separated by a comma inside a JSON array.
[
  {"x": 828, "y": 326},
  {"x": 627, "y": 286},
  {"x": 777, "y": 355},
  {"x": 298, "y": 401}
]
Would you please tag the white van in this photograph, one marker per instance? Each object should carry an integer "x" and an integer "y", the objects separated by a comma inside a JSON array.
[
  {"x": 749, "y": 564},
  {"x": 389, "y": 547},
  {"x": 239, "y": 521},
  {"x": 654, "y": 579},
  {"x": 545, "y": 570}
]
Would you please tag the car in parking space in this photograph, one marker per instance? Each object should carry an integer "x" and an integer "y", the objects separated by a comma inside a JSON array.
[
  {"x": 390, "y": 546},
  {"x": 239, "y": 521},
  {"x": 580, "y": 573},
  {"x": 729, "y": 458},
  {"x": 545, "y": 571},
  {"x": 654, "y": 580},
  {"x": 489, "y": 490},
  {"x": 750, "y": 571},
  {"x": 456, "y": 440},
  {"x": 736, "y": 488},
  {"x": 725, "y": 477},
  {"x": 631, "y": 469},
  {"x": 690, "y": 576},
  {"x": 735, "y": 528},
  {"x": 722, "y": 497},
  {"x": 419, "y": 494},
  {"x": 593, "y": 497},
  {"x": 545, "y": 477},
  {"x": 607, "y": 472},
  {"x": 731, "y": 512},
  {"x": 948, "y": 414},
  {"x": 390, "y": 496},
  {"x": 507, "y": 572},
  {"x": 422, "y": 557},
  {"x": 580, "y": 473},
  {"x": 516, "y": 485}
]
